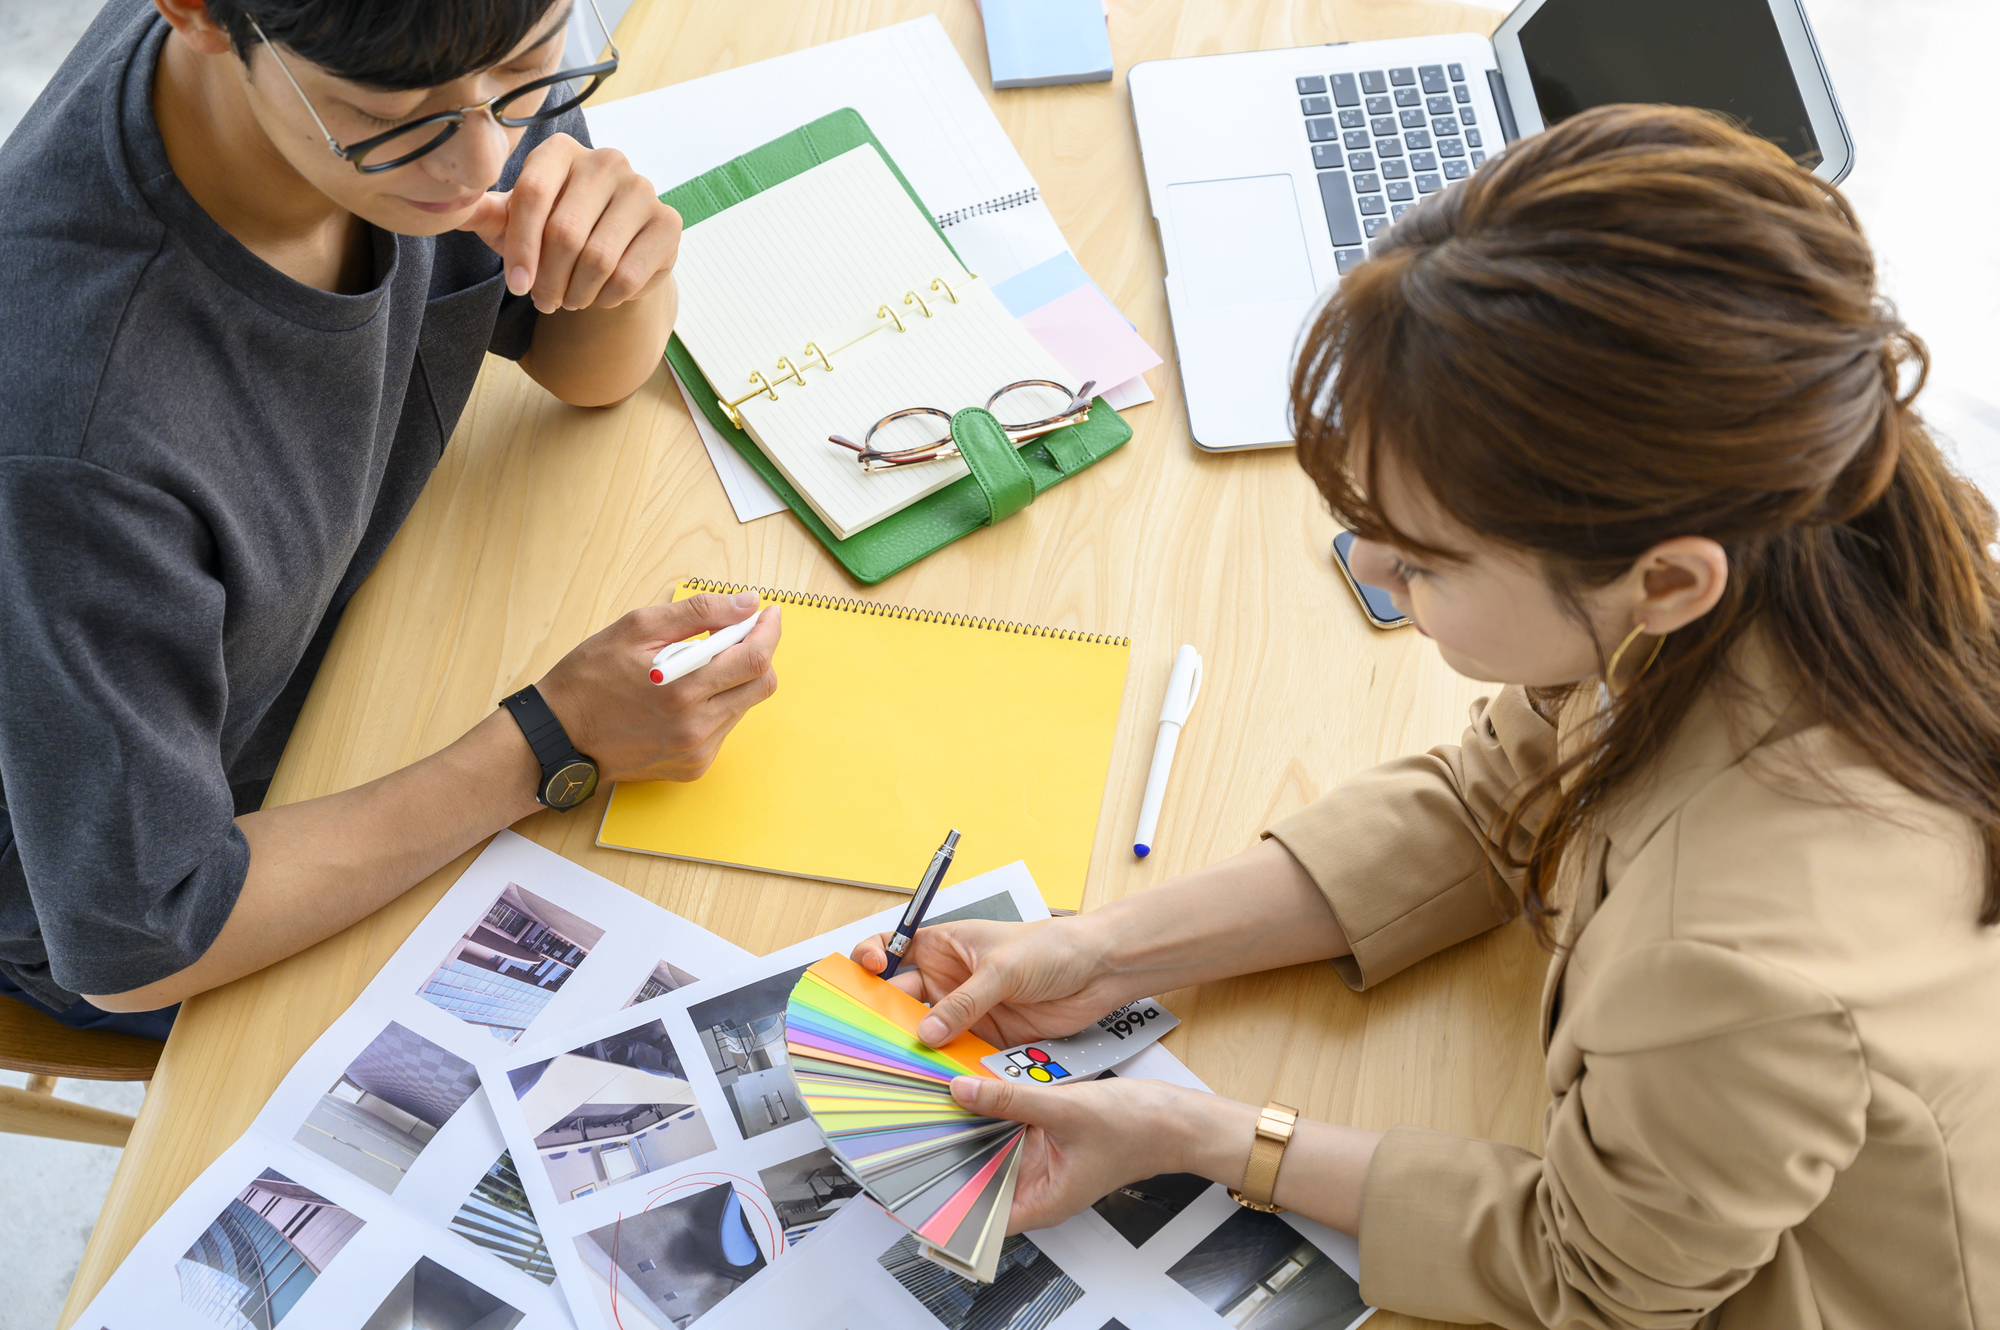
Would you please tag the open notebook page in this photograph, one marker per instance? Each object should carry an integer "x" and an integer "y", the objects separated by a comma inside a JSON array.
[
  {"x": 953, "y": 359},
  {"x": 811, "y": 260},
  {"x": 808, "y": 260}
]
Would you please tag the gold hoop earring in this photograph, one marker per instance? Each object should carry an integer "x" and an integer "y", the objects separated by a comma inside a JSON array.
[{"x": 1611, "y": 666}]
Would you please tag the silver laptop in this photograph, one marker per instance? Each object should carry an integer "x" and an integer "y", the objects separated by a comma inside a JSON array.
[{"x": 1270, "y": 171}]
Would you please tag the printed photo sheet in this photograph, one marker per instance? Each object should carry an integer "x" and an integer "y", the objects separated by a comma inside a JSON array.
[
  {"x": 375, "y": 1191},
  {"x": 668, "y": 1157},
  {"x": 746, "y": 1220}
]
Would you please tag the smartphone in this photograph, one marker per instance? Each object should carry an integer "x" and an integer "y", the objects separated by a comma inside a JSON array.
[{"x": 1375, "y": 602}]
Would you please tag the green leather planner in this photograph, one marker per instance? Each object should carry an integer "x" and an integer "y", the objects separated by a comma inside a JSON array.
[{"x": 1004, "y": 478}]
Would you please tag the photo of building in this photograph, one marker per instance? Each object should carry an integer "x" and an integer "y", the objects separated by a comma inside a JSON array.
[
  {"x": 497, "y": 1218},
  {"x": 677, "y": 1259},
  {"x": 1029, "y": 1291},
  {"x": 1259, "y": 1273},
  {"x": 612, "y": 1109},
  {"x": 1138, "y": 1210},
  {"x": 509, "y": 964},
  {"x": 431, "y": 1297},
  {"x": 743, "y": 1034},
  {"x": 665, "y": 978},
  {"x": 806, "y": 1191},
  {"x": 385, "y": 1108},
  {"x": 253, "y": 1264}
]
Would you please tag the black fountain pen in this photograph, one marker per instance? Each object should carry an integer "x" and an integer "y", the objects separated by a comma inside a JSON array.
[{"x": 920, "y": 903}]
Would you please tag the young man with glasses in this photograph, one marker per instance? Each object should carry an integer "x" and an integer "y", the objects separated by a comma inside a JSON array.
[{"x": 256, "y": 251}]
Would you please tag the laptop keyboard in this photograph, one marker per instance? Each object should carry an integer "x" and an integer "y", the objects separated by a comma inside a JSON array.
[{"x": 1382, "y": 139}]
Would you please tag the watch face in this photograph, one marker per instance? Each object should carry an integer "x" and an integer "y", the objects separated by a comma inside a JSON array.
[{"x": 570, "y": 785}]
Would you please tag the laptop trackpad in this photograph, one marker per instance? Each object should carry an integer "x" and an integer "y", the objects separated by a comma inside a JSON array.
[{"x": 1240, "y": 242}]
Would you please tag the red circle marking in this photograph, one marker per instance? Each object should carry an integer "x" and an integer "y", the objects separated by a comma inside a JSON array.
[
  {"x": 658, "y": 676},
  {"x": 1038, "y": 1055}
]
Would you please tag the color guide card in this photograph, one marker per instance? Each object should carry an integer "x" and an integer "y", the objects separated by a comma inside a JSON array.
[{"x": 883, "y": 1098}]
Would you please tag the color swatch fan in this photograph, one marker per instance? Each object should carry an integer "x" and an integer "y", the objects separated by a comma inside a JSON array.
[{"x": 883, "y": 1098}]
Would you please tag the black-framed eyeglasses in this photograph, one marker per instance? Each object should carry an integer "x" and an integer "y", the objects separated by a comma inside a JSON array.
[
  {"x": 513, "y": 108},
  {"x": 913, "y": 435}
]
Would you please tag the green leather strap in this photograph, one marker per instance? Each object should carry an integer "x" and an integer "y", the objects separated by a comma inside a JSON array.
[
  {"x": 1067, "y": 450},
  {"x": 990, "y": 456}
]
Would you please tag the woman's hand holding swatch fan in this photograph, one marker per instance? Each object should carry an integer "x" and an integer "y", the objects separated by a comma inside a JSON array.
[
  {"x": 883, "y": 1098},
  {"x": 829, "y": 301}
]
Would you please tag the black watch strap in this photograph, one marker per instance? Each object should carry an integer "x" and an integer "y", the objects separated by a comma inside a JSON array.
[{"x": 550, "y": 743}]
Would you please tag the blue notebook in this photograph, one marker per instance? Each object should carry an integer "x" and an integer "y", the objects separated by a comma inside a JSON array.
[{"x": 1033, "y": 43}]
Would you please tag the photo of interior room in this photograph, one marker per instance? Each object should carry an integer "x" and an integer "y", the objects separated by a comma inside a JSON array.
[
  {"x": 676, "y": 1259},
  {"x": 252, "y": 1265},
  {"x": 431, "y": 1297},
  {"x": 806, "y": 1191},
  {"x": 1029, "y": 1292},
  {"x": 743, "y": 1033},
  {"x": 385, "y": 1108},
  {"x": 497, "y": 1218},
  {"x": 1140, "y": 1209},
  {"x": 509, "y": 964},
  {"x": 1257, "y": 1272},
  {"x": 612, "y": 1109},
  {"x": 665, "y": 978}
]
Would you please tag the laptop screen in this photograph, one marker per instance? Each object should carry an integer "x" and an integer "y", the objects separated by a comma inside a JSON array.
[{"x": 1721, "y": 55}]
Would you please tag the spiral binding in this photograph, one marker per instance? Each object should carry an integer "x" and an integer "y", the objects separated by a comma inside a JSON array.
[
  {"x": 1001, "y": 204},
  {"x": 814, "y": 600}
]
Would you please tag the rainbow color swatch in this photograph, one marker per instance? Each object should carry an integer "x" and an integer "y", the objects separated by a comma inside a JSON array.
[{"x": 883, "y": 1098}]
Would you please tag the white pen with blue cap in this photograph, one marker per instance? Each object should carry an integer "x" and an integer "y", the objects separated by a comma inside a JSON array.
[{"x": 1182, "y": 685}]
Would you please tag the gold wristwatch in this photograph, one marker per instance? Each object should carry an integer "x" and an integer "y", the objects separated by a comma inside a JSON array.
[{"x": 1267, "y": 1151}]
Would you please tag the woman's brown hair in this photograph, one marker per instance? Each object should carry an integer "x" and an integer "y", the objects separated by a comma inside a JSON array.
[{"x": 1643, "y": 324}]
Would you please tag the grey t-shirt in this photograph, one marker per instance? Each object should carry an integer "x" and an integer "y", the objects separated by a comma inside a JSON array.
[{"x": 200, "y": 460}]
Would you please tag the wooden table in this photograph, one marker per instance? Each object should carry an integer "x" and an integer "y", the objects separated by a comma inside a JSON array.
[{"x": 544, "y": 522}]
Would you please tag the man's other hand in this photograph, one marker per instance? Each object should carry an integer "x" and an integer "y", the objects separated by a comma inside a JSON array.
[{"x": 580, "y": 229}]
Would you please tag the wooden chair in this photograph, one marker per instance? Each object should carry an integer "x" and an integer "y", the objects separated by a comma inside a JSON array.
[{"x": 47, "y": 1050}]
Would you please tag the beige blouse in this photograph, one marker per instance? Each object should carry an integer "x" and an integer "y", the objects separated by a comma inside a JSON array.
[{"x": 1773, "y": 1036}]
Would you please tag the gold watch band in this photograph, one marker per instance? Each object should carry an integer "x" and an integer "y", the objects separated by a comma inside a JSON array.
[{"x": 1267, "y": 1151}]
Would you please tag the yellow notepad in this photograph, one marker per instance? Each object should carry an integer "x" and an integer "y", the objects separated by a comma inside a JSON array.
[{"x": 889, "y": 727}]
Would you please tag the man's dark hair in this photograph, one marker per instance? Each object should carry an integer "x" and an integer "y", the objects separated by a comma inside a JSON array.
[{"x": 395, "y": 45}]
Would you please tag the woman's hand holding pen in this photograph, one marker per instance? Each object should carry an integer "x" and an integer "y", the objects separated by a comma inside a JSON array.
[
  {"x": 1005, "y": 982},
  {"x": 1009, "y": 983}
]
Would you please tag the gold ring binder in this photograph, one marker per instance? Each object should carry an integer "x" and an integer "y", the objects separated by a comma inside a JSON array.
[
  {"x": 795, "y": 373},
  {"x": 950, "y": 618},
  {"x": 729, "y": 407}
]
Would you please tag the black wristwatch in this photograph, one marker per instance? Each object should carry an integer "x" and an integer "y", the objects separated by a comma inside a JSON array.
[{"x": 568, "y": 777}]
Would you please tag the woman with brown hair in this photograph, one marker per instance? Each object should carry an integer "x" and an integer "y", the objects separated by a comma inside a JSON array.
[{"x": 1623, "y": 425}]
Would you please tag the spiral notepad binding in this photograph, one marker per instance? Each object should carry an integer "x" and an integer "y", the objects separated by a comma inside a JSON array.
[
  {"x": 950, "y": 618},
  {"x": 913, "y": 304},
  {"x": 1001, "y": 204}
]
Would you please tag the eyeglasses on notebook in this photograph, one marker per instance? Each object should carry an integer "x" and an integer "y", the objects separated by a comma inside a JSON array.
[{"x": 912, "y": 436}]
